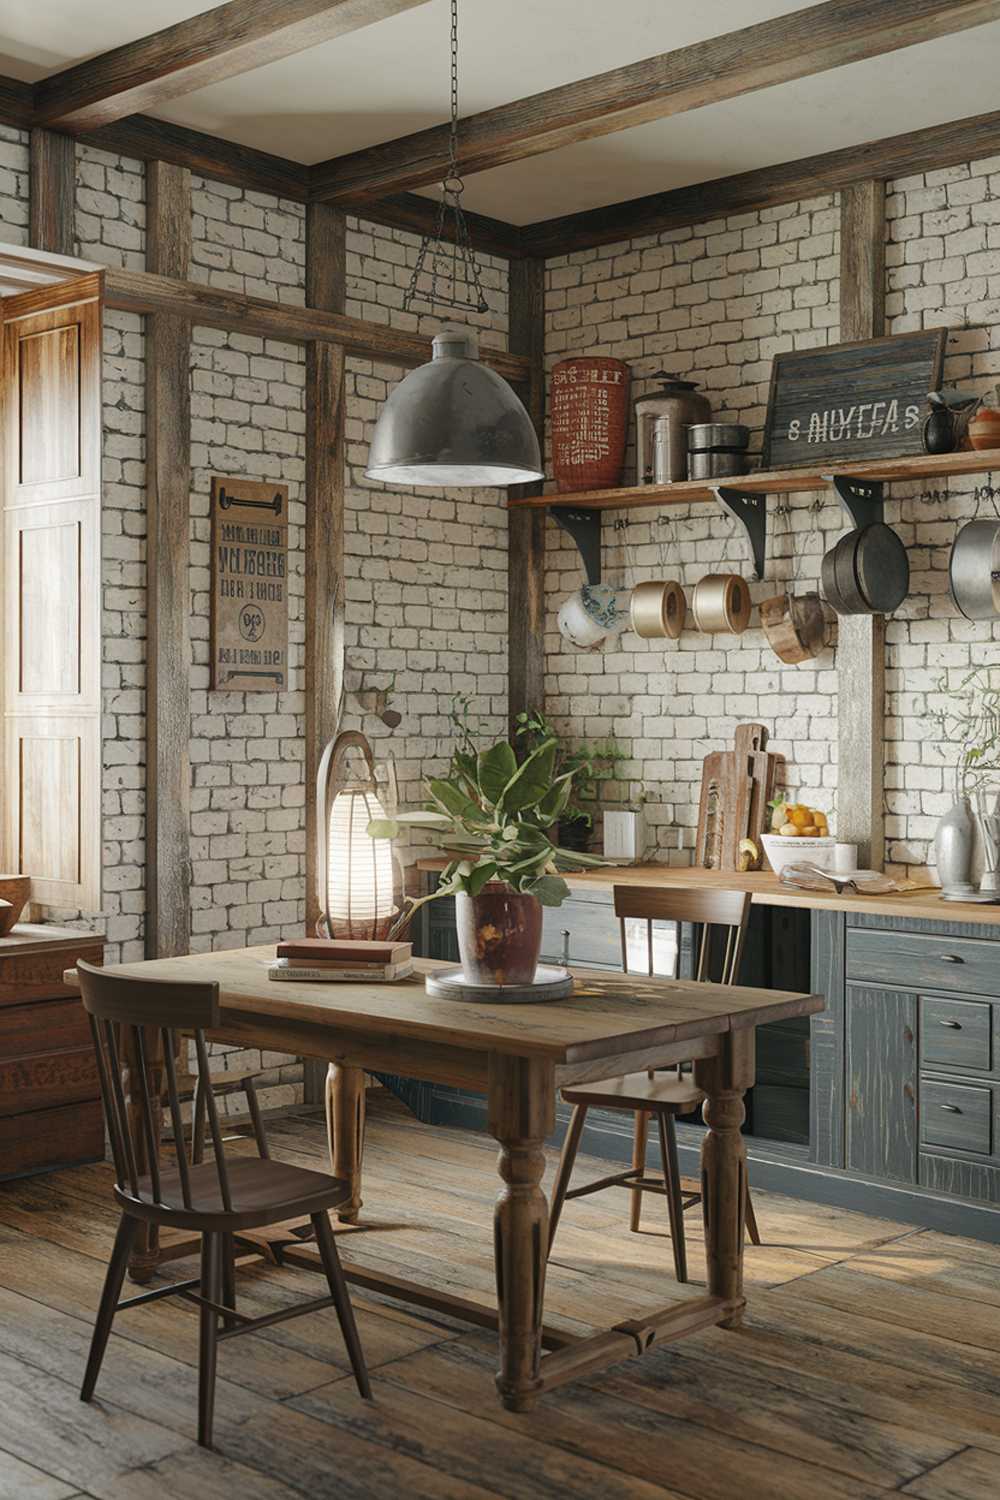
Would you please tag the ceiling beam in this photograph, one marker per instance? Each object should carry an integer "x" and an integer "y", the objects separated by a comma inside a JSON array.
[
  {"x": 805, "y": 42},
  {"x": 766, "y": 187},
  {"x": 219, "y": 43}
]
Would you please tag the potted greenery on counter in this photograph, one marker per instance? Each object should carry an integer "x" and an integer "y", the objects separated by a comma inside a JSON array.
[
  {"x": 591, "y": 766},
  {"x": 492, "y": 817}
]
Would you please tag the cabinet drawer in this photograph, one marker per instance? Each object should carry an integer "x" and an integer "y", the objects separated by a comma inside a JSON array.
[
  {"x": 955, "y": 1117},
  {"x": 47, "y": 1079},
  {"x": 955, "y": 1034},
  {"x": 51, "y": 1138},
  {"x": 39, "y": 976},
  {"x": 593, "y": 934},
  {"x": 911, "y": 960},
  {"x": 49, "y": 1026}
]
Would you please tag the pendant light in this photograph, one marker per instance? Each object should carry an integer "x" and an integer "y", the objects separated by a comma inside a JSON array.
[{"x": 453, "y": 422}]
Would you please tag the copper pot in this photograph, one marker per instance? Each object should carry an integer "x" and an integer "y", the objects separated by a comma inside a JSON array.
[
  {"x": 658, "y": 608},
  {"x": 721, "y": 603},
  {"x": 499, "y": 935}
]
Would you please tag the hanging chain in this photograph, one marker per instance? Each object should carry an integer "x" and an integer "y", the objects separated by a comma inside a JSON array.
[{"x": 444, "y": 267}]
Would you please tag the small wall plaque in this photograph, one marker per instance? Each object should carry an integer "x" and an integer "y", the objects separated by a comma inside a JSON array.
[
  {"x": 249, "y": 585},
  {"x": 851, "y": 401}
]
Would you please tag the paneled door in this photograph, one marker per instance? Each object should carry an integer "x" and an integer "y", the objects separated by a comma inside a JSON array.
[{"x": 51, "y": 604}]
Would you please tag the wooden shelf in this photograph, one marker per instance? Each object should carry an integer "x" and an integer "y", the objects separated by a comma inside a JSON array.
[{"x": 772, "y": 482}]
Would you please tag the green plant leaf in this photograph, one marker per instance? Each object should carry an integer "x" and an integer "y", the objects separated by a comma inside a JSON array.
[
  {"x": 479, "y": 877},
  {"x": 494, "y": 770},
  {"x": 531, "y": 780},
  {"x": 555, "y": 801},
  {"x": 453, "y": 799},
  {"x": 550, "y": 890},
  {"x": 383, "y": 828}
]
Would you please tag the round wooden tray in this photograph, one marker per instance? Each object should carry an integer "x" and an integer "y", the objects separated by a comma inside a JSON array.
[{"x": 551, "y": 983}]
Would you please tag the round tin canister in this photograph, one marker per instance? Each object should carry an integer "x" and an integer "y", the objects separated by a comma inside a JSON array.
[
  {"x": 721, "y": 603},
  {"x": 974, "y": 570},
  {"x": 658, "y": 609}
]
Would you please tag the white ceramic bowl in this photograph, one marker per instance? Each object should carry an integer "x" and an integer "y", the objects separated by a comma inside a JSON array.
[{"x": 782, "y": 850}]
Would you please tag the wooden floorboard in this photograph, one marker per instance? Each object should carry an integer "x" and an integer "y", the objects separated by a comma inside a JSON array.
[{"x": 868, "y": 1365}]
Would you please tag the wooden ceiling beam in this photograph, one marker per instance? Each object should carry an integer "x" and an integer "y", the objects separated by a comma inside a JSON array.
[
  {"x": 219, "y": 43},
  {"x": 766, "y": 187},
  {"x": 805, "y": 42}
]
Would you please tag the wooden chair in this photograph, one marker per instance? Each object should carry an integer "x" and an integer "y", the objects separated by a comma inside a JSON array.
[
  {"x": 216, "y": 1198},
  {"x": 666, "y": 1094}
]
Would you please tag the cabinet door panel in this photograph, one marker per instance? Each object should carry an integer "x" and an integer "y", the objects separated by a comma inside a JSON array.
[{"x": 881, "y": 1083}]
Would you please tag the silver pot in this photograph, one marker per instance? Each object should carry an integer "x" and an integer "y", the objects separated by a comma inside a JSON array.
[
  {"x": 708, "y": 435},
  {"x": 974, "y": 570},
  {"x": 716, "y": 463}
]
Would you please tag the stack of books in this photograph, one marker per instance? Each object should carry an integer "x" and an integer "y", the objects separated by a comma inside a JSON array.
[{"x": 341, "y": 960}]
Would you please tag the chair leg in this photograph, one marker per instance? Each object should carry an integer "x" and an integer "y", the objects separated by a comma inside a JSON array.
[
  {"x": 638, "y": 1165},
  {"x": 117, "y": 1267},
  {"x": 752, "y": 1229},
  {"x": 341, "y": 1301},
  {"x": 228, "y": 1257},
  {"x": 672, "y": 1183},
  {"x": 211, "y": 1287},
  {"x": 571, "y": 1145}
]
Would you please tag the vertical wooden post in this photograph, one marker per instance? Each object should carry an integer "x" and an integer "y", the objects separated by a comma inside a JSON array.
[
  {"x": 861, "y": 649},
  {"x": 168, "y": 596},
  {"x": 52, "y": 192},
  {"x": 326, "y": 289},
  {"x": 526, "y": 528}
]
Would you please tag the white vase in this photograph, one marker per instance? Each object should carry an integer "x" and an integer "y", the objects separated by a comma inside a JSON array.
[{"x": 953, "y": 845}]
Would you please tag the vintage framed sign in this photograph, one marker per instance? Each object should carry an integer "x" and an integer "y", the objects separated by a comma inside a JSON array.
[
  {"x": 249, "y": 585},
  {"x": 851, "y": 401}
]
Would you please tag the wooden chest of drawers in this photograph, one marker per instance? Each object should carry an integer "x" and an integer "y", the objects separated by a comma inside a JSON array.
[{"x": 50, "y": 1109}]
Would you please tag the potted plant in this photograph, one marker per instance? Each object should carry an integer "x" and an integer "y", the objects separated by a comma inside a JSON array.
[
  {"x": 591, "y": 766},
  {"x": 493, "y": 817}
]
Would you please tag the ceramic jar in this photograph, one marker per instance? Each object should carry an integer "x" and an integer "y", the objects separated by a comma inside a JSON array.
[{"x": 953, "y": 844}]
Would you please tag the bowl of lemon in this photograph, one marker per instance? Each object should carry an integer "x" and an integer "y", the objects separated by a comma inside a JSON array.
[{"x": 799, "y": 834}]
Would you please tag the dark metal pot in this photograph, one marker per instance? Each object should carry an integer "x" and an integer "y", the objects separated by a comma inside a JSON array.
[
  {"x": 499, "y": 935},
  {"x": 866, "y": 572}
]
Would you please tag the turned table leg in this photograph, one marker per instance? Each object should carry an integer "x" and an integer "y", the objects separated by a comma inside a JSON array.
[
  {"x": 724, "y": 1164},
  {"x": 521, "y": 1115},
  {"x": 345, "y": 1131}
]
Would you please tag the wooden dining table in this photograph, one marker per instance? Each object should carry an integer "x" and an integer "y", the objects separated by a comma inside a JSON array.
[{"x": 519, "y": 1056}]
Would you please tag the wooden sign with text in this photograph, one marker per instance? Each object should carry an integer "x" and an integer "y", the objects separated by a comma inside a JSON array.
[
  {"x": 851, "y": 401},
  {"x": 249, "y": 585}
]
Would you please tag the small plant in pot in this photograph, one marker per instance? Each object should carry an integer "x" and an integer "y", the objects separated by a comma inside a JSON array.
[
  {"x": 591, "y": 766},
  {"x": 492, "y": 817}
]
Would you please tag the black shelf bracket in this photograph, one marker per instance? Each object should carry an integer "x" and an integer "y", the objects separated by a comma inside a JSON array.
[
  {"x": 584, "y": 526},
  {"x": 751, "y": 512},
  {"x": 861, "y": 498}
]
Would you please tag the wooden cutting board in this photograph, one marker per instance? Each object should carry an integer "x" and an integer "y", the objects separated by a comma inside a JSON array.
[{"x": 736, "y": 787}]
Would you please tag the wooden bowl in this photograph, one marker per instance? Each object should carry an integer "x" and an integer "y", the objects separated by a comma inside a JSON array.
[
  {"x": 17, "y": 890},
  {"x": 794, "y": 625}
]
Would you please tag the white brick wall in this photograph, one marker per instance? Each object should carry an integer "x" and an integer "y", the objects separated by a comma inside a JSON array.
[
  {"x": 14, "y": 176},
  {"x": 247, "y": 242},
  {"x": 110, "y": 208}
]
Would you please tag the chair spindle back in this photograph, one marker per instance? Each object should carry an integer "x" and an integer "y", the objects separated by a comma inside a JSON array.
[
  {"x": 135, "y": 1023},
  {"x": 724, "y": 911}
]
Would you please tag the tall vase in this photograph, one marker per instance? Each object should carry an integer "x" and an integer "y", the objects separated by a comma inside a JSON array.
[{"x": 953, "y": 844}]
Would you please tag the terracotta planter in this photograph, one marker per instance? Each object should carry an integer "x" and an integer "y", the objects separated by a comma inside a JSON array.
[
  {"x": 499, "y": 935},
  {"x": 589, "y": 415}
]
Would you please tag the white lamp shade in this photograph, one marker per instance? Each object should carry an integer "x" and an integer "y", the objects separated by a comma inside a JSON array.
[{"x": 359, "y": 869}]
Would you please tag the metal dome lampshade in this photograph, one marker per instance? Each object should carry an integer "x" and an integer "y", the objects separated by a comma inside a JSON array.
[
  {"x": 360, "y": 889},
  {"x": 455, "y": 423}
]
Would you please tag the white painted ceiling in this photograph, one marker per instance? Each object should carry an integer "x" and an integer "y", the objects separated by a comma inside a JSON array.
[{"x": 392, "y": 78}]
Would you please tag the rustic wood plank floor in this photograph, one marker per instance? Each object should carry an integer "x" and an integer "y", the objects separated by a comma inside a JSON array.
[{"x": 869, "y": 1363}]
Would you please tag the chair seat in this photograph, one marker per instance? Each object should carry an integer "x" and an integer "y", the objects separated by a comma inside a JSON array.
[
  {"x": 663, "y": 1092},
  {"x": 262, "y": 1192}
]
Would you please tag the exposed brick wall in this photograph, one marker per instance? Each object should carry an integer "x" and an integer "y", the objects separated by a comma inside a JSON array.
[
  {"x": 247, "y": 242},
  {"x": 110, "y": 208},
  {"x": 14, "y": 177}
]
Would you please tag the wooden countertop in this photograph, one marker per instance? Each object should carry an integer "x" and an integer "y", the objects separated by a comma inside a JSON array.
[
  {"x": 31, "y": 937},
  {"x": 924, "y": 905}
]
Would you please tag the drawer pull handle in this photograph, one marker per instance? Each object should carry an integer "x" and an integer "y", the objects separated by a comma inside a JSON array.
[
  {"x": 952, "y": 1025},
  {"x": 952, "y": 1109},
  {"x": 951, "y": 958}
]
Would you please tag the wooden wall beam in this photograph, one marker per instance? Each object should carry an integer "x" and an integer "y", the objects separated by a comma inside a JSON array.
[
  {"x": 786, "y": 47},
  {"x": 326, "y": 287},
  {"x": 218, "y": 43},
  {"x": 168, "y": 588},
  {"x": 145, "y": 292},
  {"x": 861, "y": 641},
  {"x": 526, "y": 528},
  {"x": 52, "y": 192}
]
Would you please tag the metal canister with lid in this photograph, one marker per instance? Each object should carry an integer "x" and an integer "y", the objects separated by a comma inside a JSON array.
[
  {"x": 675, "y": 404},
  {"x": 717, "y": 450}
]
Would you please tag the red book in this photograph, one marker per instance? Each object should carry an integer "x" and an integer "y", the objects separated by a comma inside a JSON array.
[{"x": 351, "y": 952}]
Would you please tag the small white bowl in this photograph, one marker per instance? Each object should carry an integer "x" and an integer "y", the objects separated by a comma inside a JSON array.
[{"x": 783, "y": 850}]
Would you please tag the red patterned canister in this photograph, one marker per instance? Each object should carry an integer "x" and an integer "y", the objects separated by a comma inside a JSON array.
[{"x": 588, "y": 410}]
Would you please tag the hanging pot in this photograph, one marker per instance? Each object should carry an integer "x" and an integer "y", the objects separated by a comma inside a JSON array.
[
  {"x": 658, "y": 609},
  {"x": 974, "y": 570},
  {"x": 721, "y": 603},
  {"x": 588, "y": 411},
  {"x": 794, "y": 626},
  {"x": 866, "y": 572}
]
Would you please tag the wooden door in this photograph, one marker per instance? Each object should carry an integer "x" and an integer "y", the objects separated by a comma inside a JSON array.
[{"x": 51, "y": 591}]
